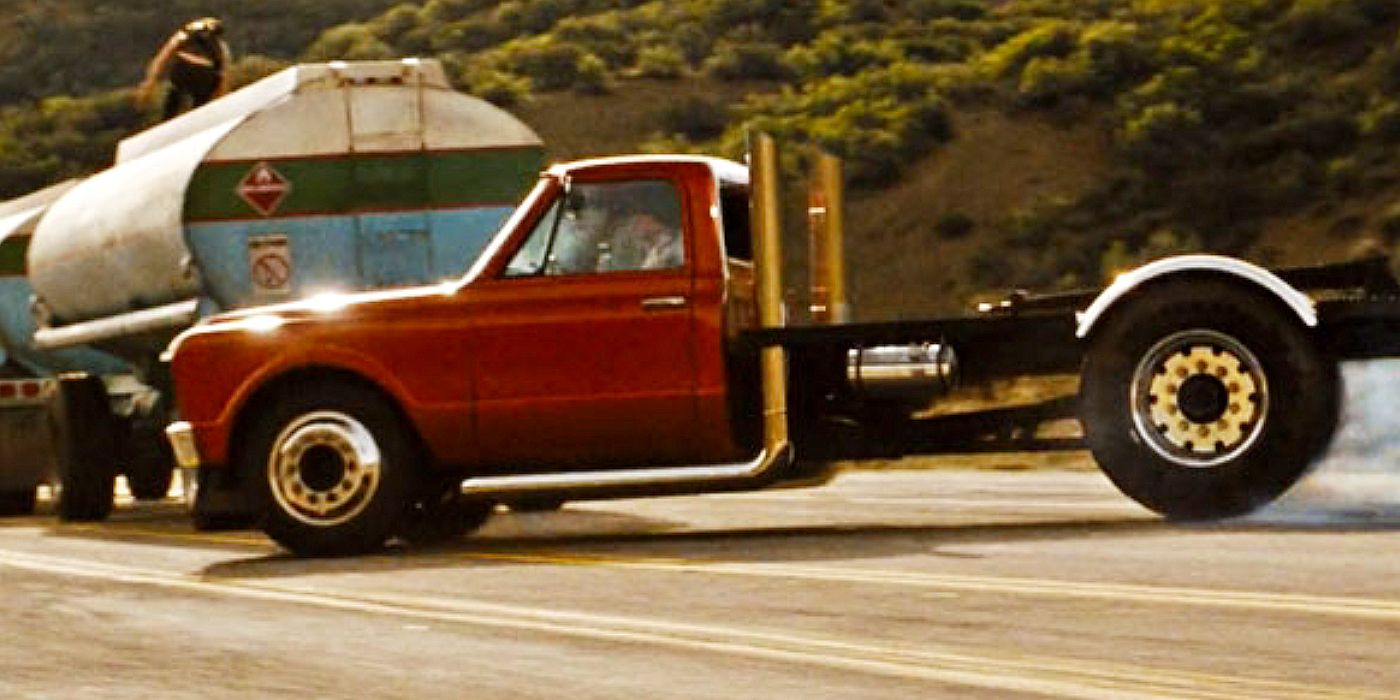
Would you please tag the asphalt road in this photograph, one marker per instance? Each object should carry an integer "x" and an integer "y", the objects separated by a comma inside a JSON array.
[{"x": 900, "y": 584}]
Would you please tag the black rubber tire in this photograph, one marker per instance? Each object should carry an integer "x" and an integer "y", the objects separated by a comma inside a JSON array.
[
  {"x": 217, "y": 503},
  {"x": 384, "y": 507},
  {"x": 152, "y": 467},
  {"x": 17, "y": 503},
  {"x": 1299, "y": 421},
  {"x": 443, "y": 516},
  {"x": 84, "y": 442}
]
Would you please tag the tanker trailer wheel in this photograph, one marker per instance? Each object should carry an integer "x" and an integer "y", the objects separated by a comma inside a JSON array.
[
  {"x": 83, "y": 430},
  {"x": 1205, "y": 398},
  {"x": 151, "y": 465},
  {"x": 443, "y": 514},
  {"x": 330, "y": 469}
]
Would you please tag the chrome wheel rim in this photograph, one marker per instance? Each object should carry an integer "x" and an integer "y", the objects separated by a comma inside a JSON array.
[
  {"x": 324, "y": 468},
  {"x": 1199, "y": 398}
]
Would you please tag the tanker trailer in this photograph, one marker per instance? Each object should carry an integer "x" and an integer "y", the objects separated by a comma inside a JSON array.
[
  {"x": 322, "y": 178},
  {"x": 27, "y": 383}
]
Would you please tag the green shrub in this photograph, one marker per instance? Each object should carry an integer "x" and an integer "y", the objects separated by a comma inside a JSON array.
[
  {"x": 878, "y": 120},
  {"x": 934, "y": 48},
  {"x": 391, "y": 25},
  {"x": 606, "y": 35},
  {"x": 1321, "y": 22},
  {"x": 664, "y": 62},
  {"x": 591, "y": 75},
  {"x": 694, "y": 43},
  {"x": 965, "y": 10},
  {"x": 63, "y": 137},
  {"x": 747, "y": 61},
  {"x": 1117, "y": 53},
  {"x": 695, "y": 118},
  {"x": 1045, "y": 80},
  {"x": 839, "y": 53},
  {"x": 1389, "y": 223},
  {"x": 1381, "y": 121},
  {"x": 525, "y": 17},
  {"x": 349, "y": 42},
  {"x": 252, "y": 68},
  {"x": 1050, "y": 39},
  {"x": 1162, "y": 136},
  {"x": 1344, "y": 175},
  {"x": 467, "y": 35},
  {"x": 496, "y": 86},
  {"x": 548, "y": 64}
]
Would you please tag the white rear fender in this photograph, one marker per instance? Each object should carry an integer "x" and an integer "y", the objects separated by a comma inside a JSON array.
[{"x": 1300, "y": 303}]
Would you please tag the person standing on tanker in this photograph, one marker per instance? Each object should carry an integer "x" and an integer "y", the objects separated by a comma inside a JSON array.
[{"x": 196, "y": 59}]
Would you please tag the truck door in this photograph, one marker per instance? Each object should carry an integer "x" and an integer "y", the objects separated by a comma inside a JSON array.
[{"x": 586, "y": 355}]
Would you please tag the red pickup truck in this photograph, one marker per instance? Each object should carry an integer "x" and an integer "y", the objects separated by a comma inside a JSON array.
[{"x": 624, "y": 335}]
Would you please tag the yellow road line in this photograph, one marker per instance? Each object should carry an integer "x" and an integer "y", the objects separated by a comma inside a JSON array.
[
  {"x": 993, "y": 670},
  {"x": 1375, "y": 609},
  {"x": 1363, "y": 608},
  {"x": 253, "y": 540}
]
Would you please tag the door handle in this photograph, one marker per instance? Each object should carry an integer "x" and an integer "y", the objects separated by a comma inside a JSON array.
[{"x": 663, "y": 303}]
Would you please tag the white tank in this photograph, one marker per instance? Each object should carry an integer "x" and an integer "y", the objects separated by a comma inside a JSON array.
[{"x": 336, "y": 176}]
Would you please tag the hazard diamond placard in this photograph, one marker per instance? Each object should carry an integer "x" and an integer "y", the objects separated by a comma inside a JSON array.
[{"x": 263, "y": 188}]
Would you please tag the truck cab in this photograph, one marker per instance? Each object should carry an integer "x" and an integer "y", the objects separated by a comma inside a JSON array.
[{"x": 596, "y": 335}]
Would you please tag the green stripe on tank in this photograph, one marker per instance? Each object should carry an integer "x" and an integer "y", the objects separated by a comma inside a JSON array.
[{"x": 392, "y": 182}]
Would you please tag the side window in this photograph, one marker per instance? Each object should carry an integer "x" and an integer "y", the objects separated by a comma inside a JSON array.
[
  {"x": 734, "y": 208},
  {"x": 644, "y": 231},
  {"x": 531, "y": 258},
  {"x": 607, "y": 227}
]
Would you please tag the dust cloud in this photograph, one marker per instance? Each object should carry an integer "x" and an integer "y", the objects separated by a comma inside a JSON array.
[{"x": 1357, "y": 480}]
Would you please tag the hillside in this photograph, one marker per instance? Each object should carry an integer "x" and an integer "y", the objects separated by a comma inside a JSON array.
[{"x": 990, "y": 143}]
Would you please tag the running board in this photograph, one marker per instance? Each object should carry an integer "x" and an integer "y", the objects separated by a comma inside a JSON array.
[{"x": 636, "y": 482}]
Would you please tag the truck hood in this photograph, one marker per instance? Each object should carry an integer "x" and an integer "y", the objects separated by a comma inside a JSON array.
[
  {"x": 333, "y": 304},
  {"x": 335, "y": 307}
]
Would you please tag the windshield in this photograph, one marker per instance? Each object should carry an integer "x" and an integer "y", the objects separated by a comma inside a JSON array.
[{"x": 546, "y": 186}]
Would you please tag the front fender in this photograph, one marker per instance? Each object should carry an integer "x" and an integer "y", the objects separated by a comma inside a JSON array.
[
  {"x": 216, "y": 375},
  {"x": 1300, "y": 303}
]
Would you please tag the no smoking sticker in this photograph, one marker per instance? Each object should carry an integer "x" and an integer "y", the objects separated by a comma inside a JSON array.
[{"x": 270, "y": 265}]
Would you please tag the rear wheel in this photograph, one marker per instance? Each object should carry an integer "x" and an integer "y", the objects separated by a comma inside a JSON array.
[
  {"x": 330, "y": 468},
  {"x": 84, "y": 442},
  {"x": 1205, "y": 398}
]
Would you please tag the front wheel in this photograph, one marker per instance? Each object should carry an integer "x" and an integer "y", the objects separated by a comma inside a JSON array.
[
  {"x": 1204, "y": 398},
  {"x": 330, "y": 469}
]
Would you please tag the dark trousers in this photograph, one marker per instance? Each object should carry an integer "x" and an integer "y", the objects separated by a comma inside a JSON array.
[{"x": 195, "y": 84}]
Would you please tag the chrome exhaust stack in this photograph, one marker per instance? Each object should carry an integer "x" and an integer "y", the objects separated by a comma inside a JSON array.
[
  {"x": 766, "y": 224},
  {"x": 826, "y": 224}
]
